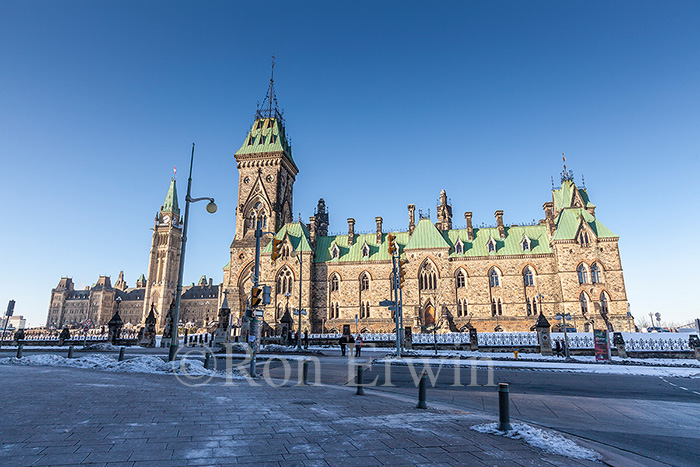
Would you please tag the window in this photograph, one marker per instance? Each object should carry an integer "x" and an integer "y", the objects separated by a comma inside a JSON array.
[
  {"x": 595, "y": 274},
  {"x": 427, "y": 279},
  {"x": 364, "y": 282},
  {"x": 494, "y": 278},
  {"x": 603, "y": 304},
  {"x": 462, "y": 307},
  {"x": 334, "y": 283},
  {"x": 335, "y": 251},
  {"x": 534, "y": 306},
  {"x": 365, "y": 251},
  {"x": 582, "y": 274},
  {"x": 525, "y": 243},
  {"x": 583, "y": 238},
  {"x": 584, "y": 302},
  {"x": 493, "y": 307},
  {"x": 335, "y": 311},
  {"x": 527, "y": 277},
  {"x": 284, "y": 281},
  {"x": 459, "y": 247},
  {"x": 491, "y": 245},
  {"x": 529, "y": 307},
  {"x": 461, "y": 282},
  {"x": 500, "y": 307}
]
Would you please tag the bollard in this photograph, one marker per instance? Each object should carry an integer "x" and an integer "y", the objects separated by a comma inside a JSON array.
[
  {"x": 360, "y": 387},
  {"x": 422, "y": 389},
  {"x": 70, "y": 352},
  {"x": 515, "y": 352},
  {"x": 121, "y": 354},
  {"x": 305, "y": 373},
  {"x": 19, "y": 351},
  {"x": 503, "y": 408},
  {"x": 207, "y": 361}
]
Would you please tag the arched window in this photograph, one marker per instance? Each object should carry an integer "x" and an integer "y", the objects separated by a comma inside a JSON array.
[
  {"x": 461, "y": 282},
  {"x": 335, "y": 252},
  {"x": 365, "y": 251},
  {"x": 534, "y": 305},
  {"x": 284, "y": 281},
  {"x": 493, "y": 307},
  {"x": 595, "y": 274},
  {"x": 491, "y": 245},
  {"x": 603, "y": 303},
  {"x": 584, "y": 302},
  {"x": 528, "y": 278},
  {"x": 583, "y": 238},
  {"x": 334, "y": 283},
  {"x": 367, "y": 310},
  {"x": 582, "y": 274},
  {"x": 494, "y": 278},
  {"x": 500, "y": 307},
  {"x": 459, "y": 246},
  {"x": 364, "y": 282},
  {"x": 427, "y": 279},
  {"x": 529, "y": 307}
]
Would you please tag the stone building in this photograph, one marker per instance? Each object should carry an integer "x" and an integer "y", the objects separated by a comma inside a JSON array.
[
  {"x": 496, "y": 278},
  {"x": 99, "y": 302}
]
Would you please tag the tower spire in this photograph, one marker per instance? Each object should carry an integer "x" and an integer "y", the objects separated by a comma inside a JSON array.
[
  {"x": 269, "y": 107},
  {"x": 566, "y": 175}
]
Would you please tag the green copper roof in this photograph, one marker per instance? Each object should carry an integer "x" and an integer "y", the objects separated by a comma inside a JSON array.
[
  {"x": 426, "y": 236},
  {"x": 324, "y": 247},
  {"x": 170, "y": 203},
  {"x": 141, "y": 278},
  {"x": 563, "y": 197},
  {"x": 266, "y": 135},
  {"x": 298, "y": 236},
  {"x": 511, "y": 245},
  {"x": 569, "y": 220}
]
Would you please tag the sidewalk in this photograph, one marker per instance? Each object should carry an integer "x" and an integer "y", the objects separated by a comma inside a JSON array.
[{"x": 69, "y": 416}]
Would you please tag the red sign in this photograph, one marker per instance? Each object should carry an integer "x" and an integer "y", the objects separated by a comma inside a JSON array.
[{"x": 602, "y": 345}]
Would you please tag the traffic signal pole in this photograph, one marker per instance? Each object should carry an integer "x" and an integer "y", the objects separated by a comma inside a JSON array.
[{"x": 256, "y": 277}]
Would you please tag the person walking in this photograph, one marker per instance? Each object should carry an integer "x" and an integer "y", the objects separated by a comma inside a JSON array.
[
  {"x": 351, "y": 344},
  {"x": 557, "y": 348},
  {"x": 358, "y": 345},
  {"x": 342, "y": 344},
  {"x": 306, "y": 339}
]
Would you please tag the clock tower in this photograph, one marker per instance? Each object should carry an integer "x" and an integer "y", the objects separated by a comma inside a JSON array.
[{"x": 164, "y": 260}]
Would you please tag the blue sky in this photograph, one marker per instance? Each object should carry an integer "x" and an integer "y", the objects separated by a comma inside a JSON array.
[{"x": 386, "y": 103}]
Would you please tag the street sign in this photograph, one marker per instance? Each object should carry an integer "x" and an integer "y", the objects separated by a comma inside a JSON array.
[
  {"x": 303, "y": 312},
  {"x": 392, "y": 308},
  {"x": 387, "y": 303},
  {"x": 259, "y": 313}
]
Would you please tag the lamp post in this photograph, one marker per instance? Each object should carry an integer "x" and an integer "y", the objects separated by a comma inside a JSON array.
[
  {"x": 286, "y": 308},
  {"x": 297, "y": 254},
  {"x": 211, "y": 208}
]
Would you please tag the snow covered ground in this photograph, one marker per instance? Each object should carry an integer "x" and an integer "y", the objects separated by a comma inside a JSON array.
[
  {"x": 546, "y": 440},
  {"x": 141, "y": 364}
]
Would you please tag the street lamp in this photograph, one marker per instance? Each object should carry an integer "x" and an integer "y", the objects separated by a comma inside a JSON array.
[
  {"x": 297, "y": 254},
  {"x": 211, "y": 209}
]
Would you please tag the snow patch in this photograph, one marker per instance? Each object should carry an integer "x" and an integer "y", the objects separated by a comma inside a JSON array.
[{"x": 548, "y": 441}]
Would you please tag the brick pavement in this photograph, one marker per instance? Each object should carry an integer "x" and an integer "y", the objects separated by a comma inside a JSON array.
[{"x": 65, "y": 416}]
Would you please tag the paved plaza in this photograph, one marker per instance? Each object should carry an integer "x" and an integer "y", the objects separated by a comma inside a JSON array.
[{"x": 68, "y": 416}]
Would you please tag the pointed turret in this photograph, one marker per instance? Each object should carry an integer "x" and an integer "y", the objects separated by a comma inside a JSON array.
[{"x": 170, "y": 204}]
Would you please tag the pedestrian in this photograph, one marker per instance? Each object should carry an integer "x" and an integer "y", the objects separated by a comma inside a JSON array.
[
  {"x": 557, "y": 347},
  {"x": 563, "y": 348},
  {"x": 358, "y": 345},
  {"x": 306, "y": 339},
  {"x": 351, "y": 344},
  {"x": 342, "y": 345}
]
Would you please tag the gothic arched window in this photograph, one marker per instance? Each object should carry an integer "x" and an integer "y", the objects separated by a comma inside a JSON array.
[
  {"x": 603, "y": 303},
  {"x": 500, "y": 307},
  {"x": 334, "y": 283},
  {"x": 528, "y": 278},
  {"x": 493, "y": 307},
  {"x": 494, "y": 278},
  {"x": 583, "y": 299},
  {"x": 582, "y": 274},
  {"x": 284, "y": 281},
  {"x": 364, "y": 282},
  {"x": 461, "y": 282},
  {"x": 427, "y": 279},
  {"x": 595, "y": 274}
]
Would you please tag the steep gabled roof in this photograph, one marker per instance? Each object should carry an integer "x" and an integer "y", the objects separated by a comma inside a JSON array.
[
  {"x": 266, "y": 135},
  {"x": 298, "y": 236},
  {"x": 426, "y": 236},
  {"x": 354, "y": 252},
  {"x": 568, "y": 221},
  {"x": 170, "y": 204},
  {"x": 563, "y": 196},
  {"x": 510, "y": 245}
]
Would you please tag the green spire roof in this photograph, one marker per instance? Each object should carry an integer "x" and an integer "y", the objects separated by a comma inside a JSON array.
[
  {"x": 266, "y": 135},
  {"x": 170, "y": 203},
  {"x": 564, "y": 196},
  {"x": 298, "y": 236},
  {"x": 569, "y": 220},
  {"x": 426, "y": 236}
]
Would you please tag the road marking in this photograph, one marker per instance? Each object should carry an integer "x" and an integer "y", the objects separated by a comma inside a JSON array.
[{"x": 677, "y": 386}]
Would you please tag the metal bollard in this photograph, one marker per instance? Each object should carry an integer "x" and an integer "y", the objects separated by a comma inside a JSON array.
[
  {"x": 503, "y": 408},
  {"x": 19, "y": 351},
  {"x": 207, "y": 361},
  {"x": 70, "y": 352},
  {"x": 360, "y": 386},
  {"x": 121, "y": 354},
  {"x": 422, "y": 389},
  {"x": 305, "y": 374}
]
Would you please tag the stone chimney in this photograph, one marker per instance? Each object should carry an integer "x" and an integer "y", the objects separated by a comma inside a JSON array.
[
  {"x": 211, "y": 282},
  {"x": 378, "y": 220},
  {"x": 411, "y": 218},
  {"x": 470, "y": 229},
  {"x": 499, "y": 223},
  {"x": 312, "y": 231},
  {"x": 321, "y": 218},
  {"x": 351, "y": 231},
  {"x": 549, "y": 216},
  {"x": 444, "y": 213}
]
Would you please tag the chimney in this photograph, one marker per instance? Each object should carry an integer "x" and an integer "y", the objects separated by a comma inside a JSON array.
[
  {"x": 211, "y": 282},
  {"x": 351, "y": 231},
  {"x": 470, "y": 229},
  {"x": 549, "y": 216},
  {"x": 411, "y": 218},
  {"x": 378, "y": 220},
  {"x": 499, "y": 222},
  {"x": 312, "y": 231}
]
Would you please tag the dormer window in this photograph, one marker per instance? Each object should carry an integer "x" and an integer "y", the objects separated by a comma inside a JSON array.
[
  {"x": 459, "y": 247},
  {"x": 250, "y": 141},
  {"x": 365, "y": 250},
  {"x": 491, "y": 245},
  {"x": 260, "y": 124},
  {"x": 583, "y": 238},
  {"x": 262, "y": 140},
  {"x": 335, "y": 251},
  {"x": 525, "y": 243}
]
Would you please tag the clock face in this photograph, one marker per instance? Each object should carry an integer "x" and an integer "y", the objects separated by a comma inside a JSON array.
[{"x": 166, "y": 219}]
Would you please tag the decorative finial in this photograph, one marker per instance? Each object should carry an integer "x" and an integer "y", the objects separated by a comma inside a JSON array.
[
  {"x": 174, "y": 170},
  {"x": 583, "y": 182},
  {"x": 552, "y": 182},
  {"x": 269, "y": 108},
  {"x": 566, "y": 175}
]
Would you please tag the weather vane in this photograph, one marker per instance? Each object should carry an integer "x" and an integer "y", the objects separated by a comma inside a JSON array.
[{"x": 566, "y": 175}]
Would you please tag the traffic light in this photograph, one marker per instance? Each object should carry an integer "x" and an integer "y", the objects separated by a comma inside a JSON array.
[
  {"x": 267, "y": 291},
  {"x": 402, "y": 271},
  {"x": 255, "y": 297},
  {"x": 10, "y": 308},
  {"x": 391, "y": 238},
  {"x": 276, "y": 247}
]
